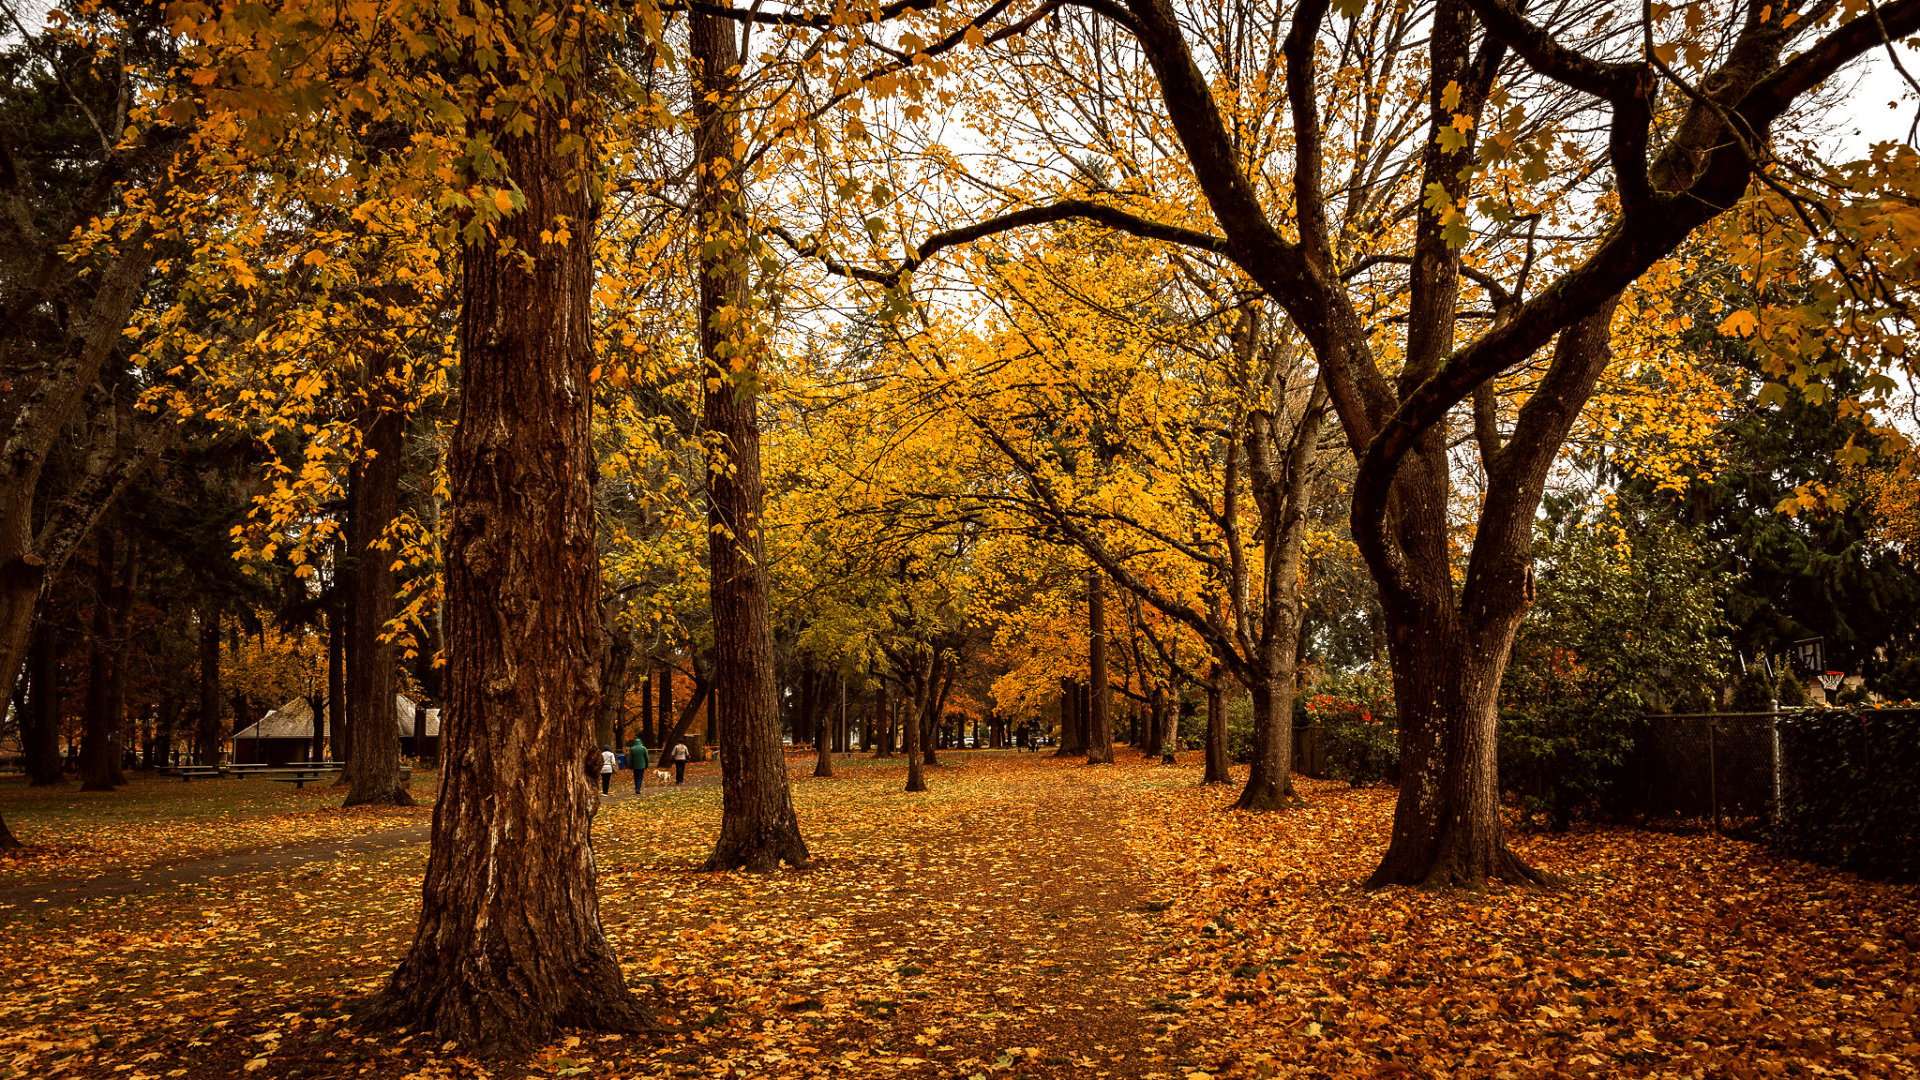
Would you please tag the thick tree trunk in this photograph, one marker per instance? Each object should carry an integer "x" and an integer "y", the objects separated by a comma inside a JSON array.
[
  {"x": 373, "y": 669},
  {"x": 1450, "y": 654},
  {"x": 1269, "y": 784},
  {"x": 1447, "y": 830},
  {"x": 7, "y": 840},
  {"x": 207, "y": 732},
  {"x": 1099, "y": 722},
  {"x": 509, "y": 948},
  {"x": 40, "y": 728}
]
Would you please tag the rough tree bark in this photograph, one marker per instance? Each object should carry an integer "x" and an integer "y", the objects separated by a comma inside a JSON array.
[
  {"x": 373, "y": 670},
  {"x": 509, "y": 947},
  {"x": 758, "y": 829}
]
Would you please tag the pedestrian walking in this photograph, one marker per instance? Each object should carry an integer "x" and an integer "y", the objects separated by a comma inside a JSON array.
[
  {"x": 637, "y": 760},
  {"x": 608, "y": 764},
  {"x": 679, "y": 755}
]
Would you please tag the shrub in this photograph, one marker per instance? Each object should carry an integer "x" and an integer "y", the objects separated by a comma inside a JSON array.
[
  {"x": 1624, "y": 622},
  {"x": 1357, "y": 727}
]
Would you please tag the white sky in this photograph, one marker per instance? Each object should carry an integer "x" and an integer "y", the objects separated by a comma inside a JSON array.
[{"x": 1882, "y": 105}]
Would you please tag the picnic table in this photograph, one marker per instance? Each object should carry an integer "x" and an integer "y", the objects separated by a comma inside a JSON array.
[
  {"x": 263, "y": 769},
  {"x": 188, "y": 772}
]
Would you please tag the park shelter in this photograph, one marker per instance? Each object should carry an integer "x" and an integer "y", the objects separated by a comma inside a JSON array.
[{"x": 286, "y": 734}]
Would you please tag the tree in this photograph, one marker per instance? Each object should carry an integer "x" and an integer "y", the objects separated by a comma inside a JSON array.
[
  {"x": 373, "y": 772},
  {"x": 509, "y": 945},
  {"x": 758, "y": 829},
  {"x": 1472, "y": 156}
]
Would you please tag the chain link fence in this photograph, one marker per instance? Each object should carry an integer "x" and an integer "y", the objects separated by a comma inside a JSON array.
[
  {"x": 1724, "y": 770},
  {"x": 1839, "y": 786}
]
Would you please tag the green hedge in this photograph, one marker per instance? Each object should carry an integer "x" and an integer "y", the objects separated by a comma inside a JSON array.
[{"x": 1850, "y": 790}]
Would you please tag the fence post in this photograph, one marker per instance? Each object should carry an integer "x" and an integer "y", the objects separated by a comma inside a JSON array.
[
  {"x": 1773, "y": 722},
  {"x": 1713, "y": 771}
]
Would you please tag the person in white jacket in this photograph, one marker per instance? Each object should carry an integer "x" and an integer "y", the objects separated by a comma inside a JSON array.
[{"x": 609, "y": 762}]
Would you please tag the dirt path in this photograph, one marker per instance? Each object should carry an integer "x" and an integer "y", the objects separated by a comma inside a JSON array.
[
  {"x": 53, "y": 894},
  {"x": 993, "y": 927}
]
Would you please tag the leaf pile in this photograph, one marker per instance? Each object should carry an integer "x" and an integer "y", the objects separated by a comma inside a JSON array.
[{"x": 1028, "y": 918}]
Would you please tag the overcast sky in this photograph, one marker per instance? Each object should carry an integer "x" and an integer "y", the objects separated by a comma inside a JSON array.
[{"x": 1882, "y": 86}]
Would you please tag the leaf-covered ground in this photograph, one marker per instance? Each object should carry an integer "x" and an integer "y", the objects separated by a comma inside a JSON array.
[
  {"x": 158, "y": 821},
  {"x": 1027, "y": 918}
]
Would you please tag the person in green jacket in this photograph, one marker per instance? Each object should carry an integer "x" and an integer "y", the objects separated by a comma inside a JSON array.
[{"x": 637, "y": 760}]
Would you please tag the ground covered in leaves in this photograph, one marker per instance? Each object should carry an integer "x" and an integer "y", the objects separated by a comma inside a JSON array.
[
  {"x": 159, "y": 821},
  {"x": 1026, "y": 917}
]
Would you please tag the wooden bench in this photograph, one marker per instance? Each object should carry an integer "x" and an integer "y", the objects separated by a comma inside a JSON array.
[{"x": 301, "y": 777}]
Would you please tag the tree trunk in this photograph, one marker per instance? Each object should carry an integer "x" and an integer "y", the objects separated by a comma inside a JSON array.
[
  {"x": 882, "y": 735},
  {"x": 1218, "y": 771},
  {"x": 915, "y": 725},
  {"x": 40, "y": 728},
  {"x": 1449, "y": 654},
  {"x": 664, "y": 717},
  {"x": 335, "y": 725},
  {"x": 373, "y": 666},
  {"x": 619, "y": 657},
  {"x": 702, "y": 691},
  {"x": 1073, "y": 741},
  {"x": 208, "y": 734},
  {"x": 1269, "y": 785},
  {"x": 164, "y": 729},
  {"x": 823, "y": 748},
  {"x": 1155, "y": 740},
  {"x": 1169, "y": 725},
  {"x": 646, "y": 711},
  {"x": 758, "y": 829},
  {"x": 509, "y": 947},
  {"x": 1099, "y": 721},
  {"x": 100, "y": 717}
]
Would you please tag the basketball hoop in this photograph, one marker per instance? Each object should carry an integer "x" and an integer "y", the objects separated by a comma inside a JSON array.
[{"x": 1831, "y": 680}]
